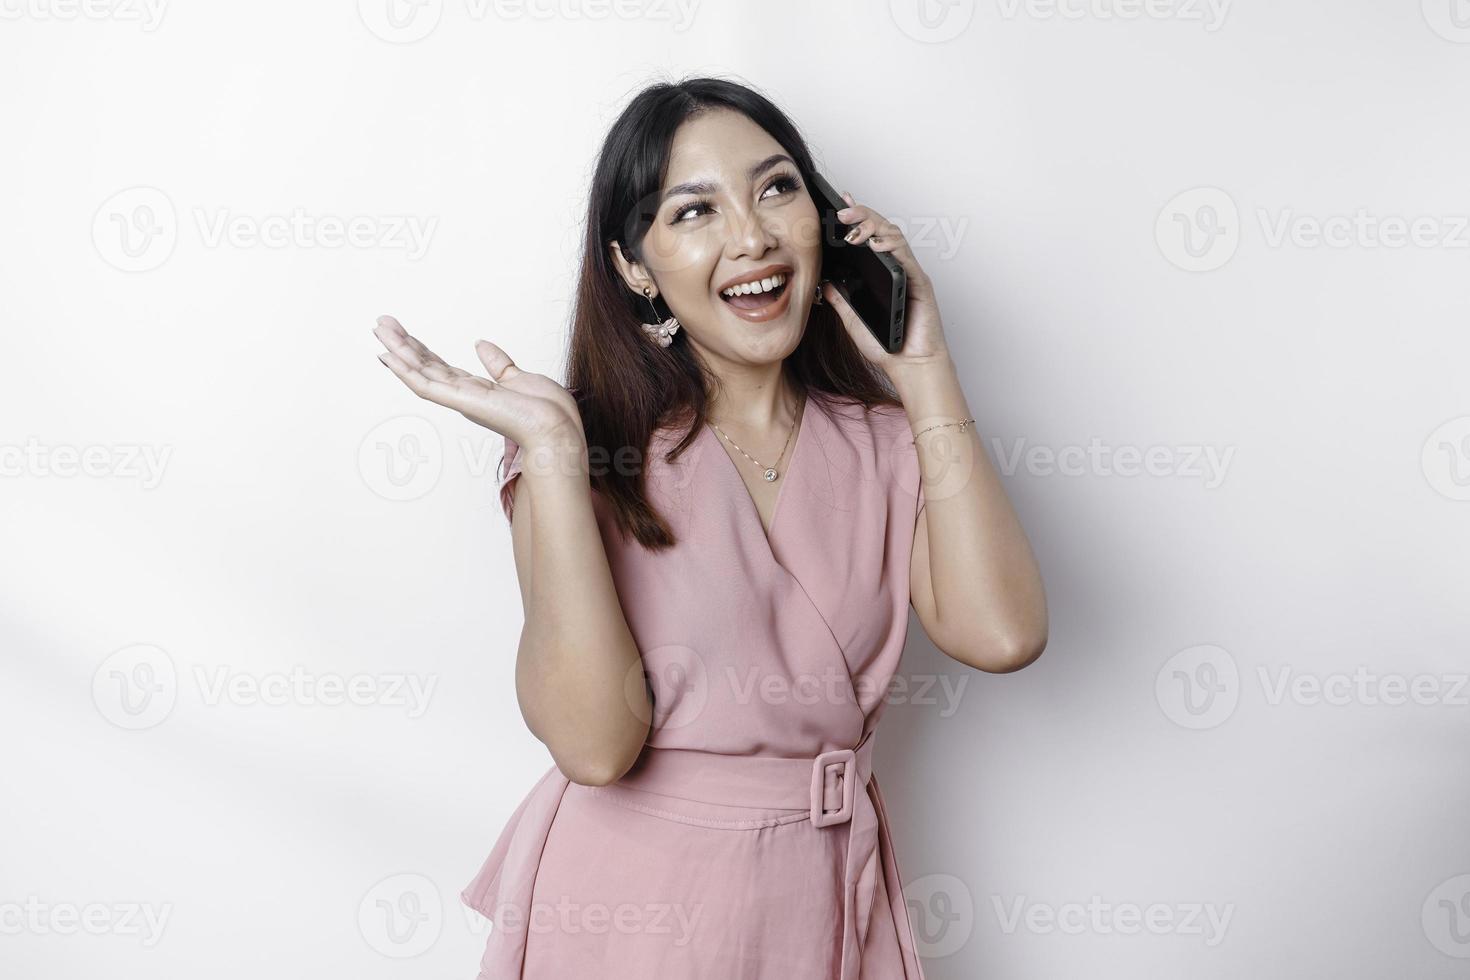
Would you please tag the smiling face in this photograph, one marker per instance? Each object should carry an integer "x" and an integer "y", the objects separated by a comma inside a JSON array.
[{"x": 733, "y": 209}]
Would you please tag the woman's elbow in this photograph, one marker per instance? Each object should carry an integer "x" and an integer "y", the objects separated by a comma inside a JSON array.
[
  {"x": 1003, "y": 658},
  {"x": 1015, "y": 656},
  {"x": 606, "y": 764}
]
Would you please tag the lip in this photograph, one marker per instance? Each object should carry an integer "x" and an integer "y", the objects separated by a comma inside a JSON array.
[
  {"x": 761, "y": 273},
  {"x": 765, "y": 313}
]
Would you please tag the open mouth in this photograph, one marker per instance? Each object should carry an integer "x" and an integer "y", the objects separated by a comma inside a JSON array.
[{"x": 756, "y": 295}]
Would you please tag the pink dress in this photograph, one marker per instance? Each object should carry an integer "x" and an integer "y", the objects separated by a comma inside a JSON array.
[{"x": 749, "y": 841}]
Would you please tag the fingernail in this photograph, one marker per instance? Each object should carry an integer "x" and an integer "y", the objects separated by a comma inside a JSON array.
[
  {"x": 850, "y": 236},
  {"x": 845, "y": 213}
]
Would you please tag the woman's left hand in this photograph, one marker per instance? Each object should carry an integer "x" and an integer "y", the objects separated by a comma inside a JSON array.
[{"x": 923, "y": 341}]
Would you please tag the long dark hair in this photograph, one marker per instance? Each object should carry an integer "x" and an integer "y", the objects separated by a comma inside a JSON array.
[{"x": 625, "y": 385}]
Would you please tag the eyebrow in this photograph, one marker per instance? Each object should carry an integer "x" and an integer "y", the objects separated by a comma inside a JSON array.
[{"x": 709, "y": 186}]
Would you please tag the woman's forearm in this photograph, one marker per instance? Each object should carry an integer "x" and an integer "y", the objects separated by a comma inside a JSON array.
[
  {"x": 989, "y": 604},
  {"x": 579, "y": 675}
]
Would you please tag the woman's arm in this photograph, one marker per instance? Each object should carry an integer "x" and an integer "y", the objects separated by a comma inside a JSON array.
[
  {"x": 973, "y": 580},
  {"x": 972, "y": 577},
  {"x": 579, "y": 675}
]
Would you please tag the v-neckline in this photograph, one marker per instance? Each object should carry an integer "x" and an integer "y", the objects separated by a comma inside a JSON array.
[{"x": 753, "y": 511}]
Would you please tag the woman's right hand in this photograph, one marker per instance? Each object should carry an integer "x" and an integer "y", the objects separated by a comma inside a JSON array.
[{"x": 529, "y": 408}]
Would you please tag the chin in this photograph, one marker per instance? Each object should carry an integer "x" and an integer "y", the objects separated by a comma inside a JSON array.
[{"x": 771, "y": 346}]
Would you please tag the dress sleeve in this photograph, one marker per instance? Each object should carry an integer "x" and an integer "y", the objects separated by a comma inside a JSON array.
[{"x": 511, "y": 462}]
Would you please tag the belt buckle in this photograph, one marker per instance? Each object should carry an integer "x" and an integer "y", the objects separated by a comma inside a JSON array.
[{"x": 847, "y": 759}]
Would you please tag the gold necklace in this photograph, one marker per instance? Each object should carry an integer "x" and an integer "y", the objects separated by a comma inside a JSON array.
[{"x": 769, "y": 472}]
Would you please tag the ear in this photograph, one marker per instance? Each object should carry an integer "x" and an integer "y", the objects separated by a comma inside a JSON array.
[{"x": 632, "y": 271}]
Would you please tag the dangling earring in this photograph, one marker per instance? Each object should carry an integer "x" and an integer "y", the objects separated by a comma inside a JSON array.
[
  {"x": 661, "y": 332},
  {"x": 819, "y": 301}
]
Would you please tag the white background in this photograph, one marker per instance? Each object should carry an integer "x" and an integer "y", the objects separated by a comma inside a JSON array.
[{"x": 1117, "y": 202}]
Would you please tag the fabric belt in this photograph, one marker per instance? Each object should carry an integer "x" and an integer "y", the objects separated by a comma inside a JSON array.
[{"x": 832, "y": 787}]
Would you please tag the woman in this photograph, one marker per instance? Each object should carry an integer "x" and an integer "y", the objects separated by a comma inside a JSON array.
[{"x": 709, "y": 631}]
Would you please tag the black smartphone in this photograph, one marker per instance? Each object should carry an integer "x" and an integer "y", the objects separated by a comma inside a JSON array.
[{"x": 873, "y": 282}]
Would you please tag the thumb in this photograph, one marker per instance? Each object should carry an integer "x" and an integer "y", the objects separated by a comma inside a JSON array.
[{"x": 497, "y": 362}]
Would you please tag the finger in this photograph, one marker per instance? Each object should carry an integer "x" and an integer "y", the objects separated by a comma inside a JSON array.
[
  {"x": 882, "y": 235},
  {"x": 854, "y": 214},
  {"x": 879, "y": 231},
  {"x": 865, "y": 223},
  {"x": 890, "y": 238},
  {"x": 410, "y": 374},
  {"x": 411, "y": 351},
  {"x": 392, "y": 335},
  {"x": 860, "y": 231},
  {"x": 432, "y": 364},
  {"x": 455, "y": 393},
  {"x": 497, "y": 362},
  {"x": 390, "y": 332}
]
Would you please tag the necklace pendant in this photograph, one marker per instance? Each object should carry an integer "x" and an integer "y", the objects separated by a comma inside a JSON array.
[{"x": 770, "y": 474}]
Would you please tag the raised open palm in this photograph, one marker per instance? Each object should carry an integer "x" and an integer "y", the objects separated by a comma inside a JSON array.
[{"x": 525, "y": 406}]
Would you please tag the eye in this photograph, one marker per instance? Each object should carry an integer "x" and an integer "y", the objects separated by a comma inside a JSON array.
[
  {"x": 688, "y": 209},
  {"x": 785, "y": 180},
  {"x": 784, "y": 184}
]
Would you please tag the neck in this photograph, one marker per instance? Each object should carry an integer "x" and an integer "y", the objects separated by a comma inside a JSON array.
[{"x": 756, "y": 407}]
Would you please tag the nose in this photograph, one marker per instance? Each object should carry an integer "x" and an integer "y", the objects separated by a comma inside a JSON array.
[{"x": 749, "y": 234}]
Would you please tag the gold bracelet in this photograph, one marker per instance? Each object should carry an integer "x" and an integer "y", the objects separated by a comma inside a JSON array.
[{"x": 941, "y": 425}]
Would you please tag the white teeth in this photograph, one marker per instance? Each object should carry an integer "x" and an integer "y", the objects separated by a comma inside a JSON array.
[{"x": 759, "y": 286}]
